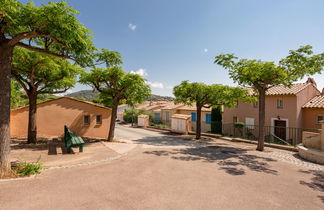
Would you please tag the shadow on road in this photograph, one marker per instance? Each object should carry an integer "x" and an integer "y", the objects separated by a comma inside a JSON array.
[
  {"x": 317, "y": 180},
  {"x": 232, "y": 160},
  {"x": 166, "y": 140}
]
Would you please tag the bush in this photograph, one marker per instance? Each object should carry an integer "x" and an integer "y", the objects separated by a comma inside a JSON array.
[
  {"x": 239, "y": 124},
  {"x": 130, "y": 115},
  {"x": 26, "y": 169},
  {"x": 216, "y": 120}
]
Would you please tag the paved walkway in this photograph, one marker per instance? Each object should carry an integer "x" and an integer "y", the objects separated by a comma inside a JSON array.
[{"x": 170, "y": 173}]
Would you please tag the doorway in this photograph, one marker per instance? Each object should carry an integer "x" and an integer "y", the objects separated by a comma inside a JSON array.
[{"x": 280, "y": 129}]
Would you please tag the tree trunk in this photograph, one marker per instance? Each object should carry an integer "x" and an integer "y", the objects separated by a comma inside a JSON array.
[
  {"x": 32, "y": 127},
  {"x": 262, "y": 92},
  {"x": 113, "y": 120},
  {"x": 5, "y": 74},
  {"x": 198, "y": 121}
]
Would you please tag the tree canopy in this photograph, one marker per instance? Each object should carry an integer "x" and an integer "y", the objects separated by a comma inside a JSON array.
[
  {"x": 115, "y": 85},
  {"x": 42, "y": 73},
  {"x": 262, "y": 75},
  {"x": 203, "y": 95},
  {"x": 50, "y": 28}
]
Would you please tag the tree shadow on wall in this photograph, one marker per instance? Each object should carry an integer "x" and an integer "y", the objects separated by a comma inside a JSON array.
[{"x": 233, "y": 161}]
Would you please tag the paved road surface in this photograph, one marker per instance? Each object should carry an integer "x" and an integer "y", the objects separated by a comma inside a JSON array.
[{"x": 167, "y": 173}]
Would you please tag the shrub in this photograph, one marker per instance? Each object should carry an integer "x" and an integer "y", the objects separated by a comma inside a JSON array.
[
  {"x": 239, "y": 124},
  {"x": 130, "y": 115},
  {"x": 26, "y": 169}
]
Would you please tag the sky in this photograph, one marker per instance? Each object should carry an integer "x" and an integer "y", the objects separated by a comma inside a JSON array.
[{"x": 168, "y": 41}]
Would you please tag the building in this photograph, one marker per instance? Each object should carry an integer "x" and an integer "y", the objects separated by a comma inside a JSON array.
[
  {"x": 284, "y": 108},
  {"x": 84, "y": 118},
  {"x": 313, "y": 112},
  {"x": 205, "y": 117}
]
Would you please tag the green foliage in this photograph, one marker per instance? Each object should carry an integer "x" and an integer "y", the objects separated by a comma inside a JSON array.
[
  {"x": 130, "y": 115},
  {"x": 110, "y": 58},
  {"x": 115, "y": 83},
  {"x": 45, "y": 97},
  {"x": 239, "y": 125},
  {"x": 260, "y": 74},
  {"x": 207, "y": 96},
  {"x": 26, "y": 169},
  {"x": 43, "y": 73},
  {"x": 216, "y": 118},
  {"x": 51, "y": 27},
  {"x": 211, "y": 95},
  {"x": 16, "y": 95}
]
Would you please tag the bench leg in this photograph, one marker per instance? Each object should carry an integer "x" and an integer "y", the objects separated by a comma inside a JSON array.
[
  {"x": 81, "y": 148},
  {"x": 68, "y": 149}
]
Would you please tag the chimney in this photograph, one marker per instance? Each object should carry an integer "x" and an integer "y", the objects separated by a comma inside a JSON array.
[{"x": 311, "y": 80}]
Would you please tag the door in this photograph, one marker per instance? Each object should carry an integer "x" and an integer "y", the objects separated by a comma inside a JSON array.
[{"x": 280, "y": 129}]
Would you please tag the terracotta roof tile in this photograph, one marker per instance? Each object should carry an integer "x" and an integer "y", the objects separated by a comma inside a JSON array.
[
  {"x": 283, "y": 90},
  {"x": 194, "y": 108},
  {"x": 316, "y": 102},
  {"x": 181, "y": 116}
]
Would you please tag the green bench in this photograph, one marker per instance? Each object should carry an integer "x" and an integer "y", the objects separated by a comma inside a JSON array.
[{"x": 72, "y": 140}]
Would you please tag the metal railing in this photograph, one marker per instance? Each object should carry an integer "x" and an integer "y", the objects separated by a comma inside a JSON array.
[{"x": 273, "y": 134}]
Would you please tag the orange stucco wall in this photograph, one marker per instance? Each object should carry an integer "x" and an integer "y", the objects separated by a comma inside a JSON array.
[
  {"x": 244, "y": 110},
  {"x": 204, "y": 126},
  {"x": 291, "y": 111},
  {"x": 53, "y": 115},
  {"x": 310, "y": 115}
]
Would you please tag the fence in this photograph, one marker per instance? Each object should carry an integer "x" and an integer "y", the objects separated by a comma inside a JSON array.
[{"x": 273, "y": 134}]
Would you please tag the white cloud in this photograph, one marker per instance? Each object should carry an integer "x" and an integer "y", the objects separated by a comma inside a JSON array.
[
  {"x": 141, "y": 72},
  {"x": 169, "y": 87},
  {"x": 205, "y": 50},
  {"x": 132, "y": 26},
  {"x": 155, "y": 84}
]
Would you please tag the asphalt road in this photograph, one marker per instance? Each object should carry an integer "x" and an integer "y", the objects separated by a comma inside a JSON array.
[{"x": 170, "y": 173}]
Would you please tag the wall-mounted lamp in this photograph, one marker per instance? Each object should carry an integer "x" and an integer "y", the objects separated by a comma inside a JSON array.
[{"x": 278, "y": 117}]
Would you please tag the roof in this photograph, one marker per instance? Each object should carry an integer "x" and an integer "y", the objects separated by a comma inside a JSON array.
[
  {"x": 172, "y": 105},
  {"x": 283, "y": 90},
  {"x": 316, "y": 102},
  {"x": 194, "y": 108},
  {"x": 181, "y": 116},
  {"x": 69, "y": 98}
]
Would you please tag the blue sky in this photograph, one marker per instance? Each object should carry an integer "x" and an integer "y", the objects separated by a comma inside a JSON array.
[{"x": 175, "y": 40}]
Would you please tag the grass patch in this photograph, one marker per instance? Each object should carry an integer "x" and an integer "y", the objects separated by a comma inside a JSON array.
[{"x": 26, "y": 169}]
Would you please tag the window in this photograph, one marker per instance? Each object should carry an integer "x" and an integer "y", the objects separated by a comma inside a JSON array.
[
  {"x": 208, "y": 118},
  {"x": 256, "y": 104},
  {"x": 319, "y": 118},
  {"x": 86, "y": 119},
  {"x": 98, "y": 119},
  {"x": 235, "y": 119},
  {"x": 193, "y": 117},
  {"x": 167, "y": 116},
  {"x": 280, "y": 103},
  {"x": 157, "y": 117},
  {"x": 249, "y": 122}
]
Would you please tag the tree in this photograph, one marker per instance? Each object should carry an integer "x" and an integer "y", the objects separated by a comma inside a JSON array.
[
  {"x": 207, "y": 96},
  {"x": 38, "y": 73},
  {"x": 216, "y": 120},
  {"x": 261, "y": 75},
  {"x": 50, "y": 29},
  {"x": 114, "y": 84}
]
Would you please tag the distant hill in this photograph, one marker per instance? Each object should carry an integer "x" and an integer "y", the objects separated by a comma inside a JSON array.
[
  {"x": 90, "y": 95},
  {"x": 159, "y": 98}
]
